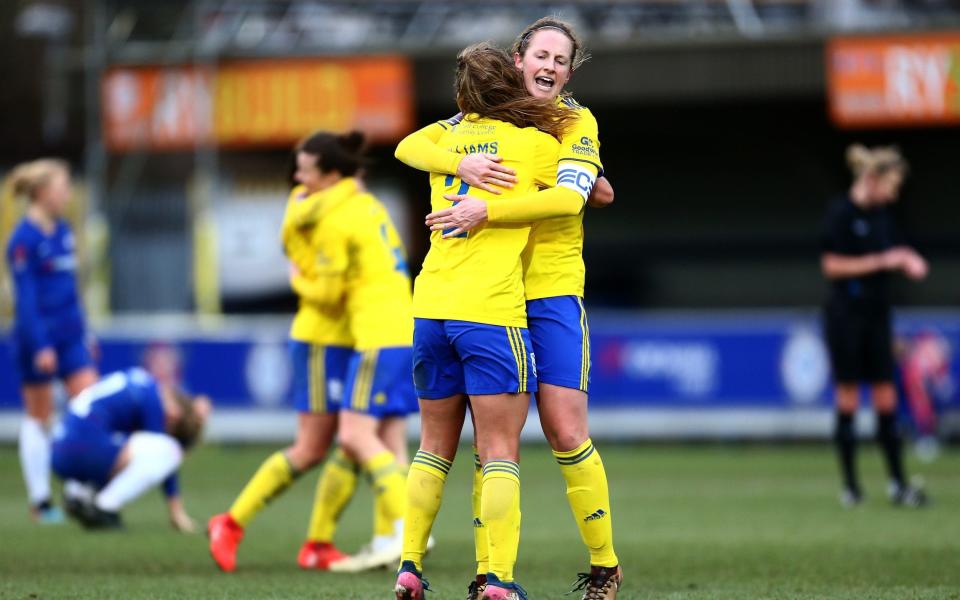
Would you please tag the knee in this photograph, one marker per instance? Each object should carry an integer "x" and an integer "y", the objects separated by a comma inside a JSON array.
[
  {"x": 564, "y": 435},
  {"x": 351, "y": 439},
  {"x": 305, "y": 456}
]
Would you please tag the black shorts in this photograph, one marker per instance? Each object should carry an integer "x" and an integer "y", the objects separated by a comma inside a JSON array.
[{"x": 860, "y": 341}]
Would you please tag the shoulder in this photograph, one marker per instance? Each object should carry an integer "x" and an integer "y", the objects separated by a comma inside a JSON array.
[
  {"x": 298, "y": 193},
  {"x": 23, "y": 238},
  {"x": 451, "y": 122}
]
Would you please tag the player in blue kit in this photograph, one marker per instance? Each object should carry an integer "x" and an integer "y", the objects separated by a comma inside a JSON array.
[
  {"x": 49, "y": 333},
  {"x": 121, "y": 437}
]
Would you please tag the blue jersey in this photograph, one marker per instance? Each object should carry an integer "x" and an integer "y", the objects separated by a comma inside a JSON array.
[
  {"x": 118, "y": 405},
  {"x": 43, "y": 268}
]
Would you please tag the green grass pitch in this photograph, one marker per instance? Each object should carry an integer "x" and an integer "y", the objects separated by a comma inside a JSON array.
[{"x": 702, "y": 522}]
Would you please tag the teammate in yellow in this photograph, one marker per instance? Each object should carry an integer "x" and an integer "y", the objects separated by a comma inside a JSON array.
[
  {"x": 349, "y": 272},
  {"x": 546, "y": 54},
  {"x": 470, "y": 336}
]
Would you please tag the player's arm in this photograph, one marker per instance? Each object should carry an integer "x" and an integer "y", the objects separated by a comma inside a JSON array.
[
  {"x": 900, "y": 258},
  {"x": 22, "y": 264},
  {"x": 602, "y": 194},
  {"x": 323, "y": 288},
  {"x": 179, "y": 518},
  {"x": 420, "y": 150},
  {"x": 571, "y": 183}
]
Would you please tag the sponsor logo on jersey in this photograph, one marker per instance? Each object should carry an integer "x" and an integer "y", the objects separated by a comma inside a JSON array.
[{"x": 481, "y": 148}]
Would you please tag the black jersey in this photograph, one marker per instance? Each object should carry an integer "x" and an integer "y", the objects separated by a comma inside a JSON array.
[{"x": 852, "y": 231}]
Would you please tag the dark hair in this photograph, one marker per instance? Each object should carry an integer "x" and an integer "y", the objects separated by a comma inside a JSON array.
[
  {"x": 580, "y": 55},
  {"x": 343, "y": 153},
  {"x": 488, "y": 84}
]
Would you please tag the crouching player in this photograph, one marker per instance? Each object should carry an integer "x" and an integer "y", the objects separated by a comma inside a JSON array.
[{"x": 121, "y": 437}]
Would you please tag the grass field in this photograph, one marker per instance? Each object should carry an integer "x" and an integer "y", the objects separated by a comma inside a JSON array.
[{"x": 725, "y": 522}]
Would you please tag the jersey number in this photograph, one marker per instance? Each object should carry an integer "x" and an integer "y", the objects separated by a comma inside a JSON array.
[
  {"x": 399, "y": 260},
  {"x": 463, "y": 189}
]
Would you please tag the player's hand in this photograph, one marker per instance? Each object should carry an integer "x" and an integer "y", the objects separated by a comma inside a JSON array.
[
  {"x": 601, "y": 195},
  {"x": 467, "y": 214},
  {"x": 180, "y": 520},
  {"x": 485, "y": 172},
  {"x": 915, "y": 267},
  {"x": 45, "y": 361}
]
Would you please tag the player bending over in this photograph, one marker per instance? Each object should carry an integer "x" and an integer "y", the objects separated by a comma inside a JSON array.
[{"x": 119, "y": 438}]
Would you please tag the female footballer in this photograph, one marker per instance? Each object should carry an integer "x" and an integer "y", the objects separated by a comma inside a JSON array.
[
  {"x": 49, "y": 331},
  {"x": 350, "y": 345},
  {"x": 470, "y": 335},
  {"x": 861, "y": 245},
  {"x": 546, "y": 53}
]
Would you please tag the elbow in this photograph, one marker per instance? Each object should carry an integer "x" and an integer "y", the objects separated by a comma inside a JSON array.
[
  {"x": 601, "y": 195},
  {"x": 401, "y": 151}
]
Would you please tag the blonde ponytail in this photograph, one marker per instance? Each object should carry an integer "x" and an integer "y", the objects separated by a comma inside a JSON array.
[
  {"x": 875, "y": 161},
  {"x": 28, "y": 178}
]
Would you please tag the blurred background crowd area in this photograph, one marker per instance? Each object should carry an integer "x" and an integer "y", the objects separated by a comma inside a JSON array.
[{"x": 723, "y": 126}]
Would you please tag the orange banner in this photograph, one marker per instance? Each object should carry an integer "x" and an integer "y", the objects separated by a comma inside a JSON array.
[
  {"x": 256, "y": 103},
  {"x": 891, "y": 81}
]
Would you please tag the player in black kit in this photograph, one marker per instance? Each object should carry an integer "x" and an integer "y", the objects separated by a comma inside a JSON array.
[{"x": 861, "y": 244}]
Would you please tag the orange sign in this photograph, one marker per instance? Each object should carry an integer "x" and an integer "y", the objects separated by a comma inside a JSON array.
[
  {"x": 904, "y": 80},
  {"x": 256, "y": 103}
]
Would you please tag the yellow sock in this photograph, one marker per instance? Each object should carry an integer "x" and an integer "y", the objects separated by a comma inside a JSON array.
[
  {"x": 335, "y": 488},
  {"x": 388, "y": 483},
  {"x": 479, "y": 532},
  {"x": 383, "y": 525},
  {"x": 589, "y": 500},
  {"x": 428, "y": 473},
  {"x": 273, "y": 477},
  {"x": 500, "y": 513}
]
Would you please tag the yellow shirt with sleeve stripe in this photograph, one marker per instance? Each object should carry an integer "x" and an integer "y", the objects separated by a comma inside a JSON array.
[
  {"x": 478, "y": 276},
  {"x": 553, "y": 262},
  {"x": 359, "y": 255},
  {"x": 320, "y": 321}
]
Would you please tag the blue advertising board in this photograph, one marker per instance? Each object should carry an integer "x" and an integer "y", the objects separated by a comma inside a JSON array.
[{"x": 697, "y": 360}]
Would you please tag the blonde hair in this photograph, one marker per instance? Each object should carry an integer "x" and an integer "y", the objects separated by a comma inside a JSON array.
[
  {"x": 28, "y": 178},
  {"x": 580, "y": 55},
  {"x": 875, "y": 161}
]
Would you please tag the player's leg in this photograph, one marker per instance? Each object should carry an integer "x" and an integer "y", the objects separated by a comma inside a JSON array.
[
  {"x": 499, "y": 374},
  {"x": 844, "y": 333},
  {"x": 338, "y": 479},
  {"x": 34, "y": 450},
  {"x": 392, "y": 431},
  {"x": 561, "y": 340},
  {"x": 481, "y": 547},
  {"x": 370, "y": 380},
  {"x": 441, "y": 420},
  {"x": 145, "y": 460},
  {"x": 438, "y": 377},
  {"x": 847, "y": 397},
  {"x": 335, "y": 488},
  {"x": 77, "y": 367}
]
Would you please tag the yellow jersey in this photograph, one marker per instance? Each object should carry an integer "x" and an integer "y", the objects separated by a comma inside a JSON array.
[
  {"x": 359, "y": 261},
  {"x": 553, "y": 260},
  {"x": 478, "y": 276},
  {"x": 323, "y": 323}
]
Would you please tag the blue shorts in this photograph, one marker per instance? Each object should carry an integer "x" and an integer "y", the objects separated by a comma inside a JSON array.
[
  {"x": 460, "y": 357},
  {"x": 85, "y": 450},
  {"x": 561, "y": 340},
  {"x": 319, "y": 373},
  {"x": 380, "y": 383},
  {"x": 72, "y": 355}
]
